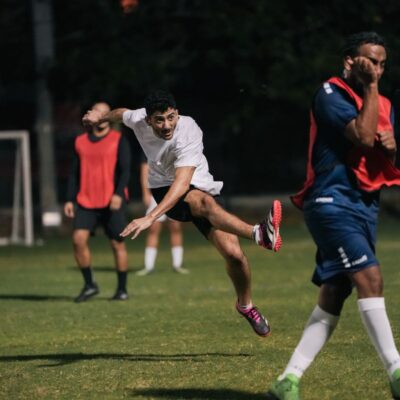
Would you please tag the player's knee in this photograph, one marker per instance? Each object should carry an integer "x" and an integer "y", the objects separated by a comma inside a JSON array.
[
  {"x": 369, "y": 282},
  {"x": 79, "y": 241},
  {"x": 207, "y": 205},
  {"x": 118, "y": 246},
  {"x": 372, "y": 288},
  {"x": 175, "y": 228},
  {"x": 341, "y": 292},
  {"x": 333, "y": 296}
]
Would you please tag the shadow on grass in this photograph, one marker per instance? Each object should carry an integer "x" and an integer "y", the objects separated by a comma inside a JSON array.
[
  {"x": 45, "y": 297},
  {"x": 132, "y": 270},
  {"x": 33, "y": 297},
  {"x": 69, "y": 358},
  {"x": 198, "y": 394}
]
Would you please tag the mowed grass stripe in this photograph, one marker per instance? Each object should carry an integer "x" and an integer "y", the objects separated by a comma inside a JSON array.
[{"x": 178, "y": 337}]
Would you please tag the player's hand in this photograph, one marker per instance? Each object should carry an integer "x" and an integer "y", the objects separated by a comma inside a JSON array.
[
  {"x": 388, "y": 142},
  {"x": 364, "y": 70},
  {"x": 137, "y": 226},
  {"x": 69, "y": 209},
  {"x": 92, "y": 117},
  {"x": 116, "y": 202}
]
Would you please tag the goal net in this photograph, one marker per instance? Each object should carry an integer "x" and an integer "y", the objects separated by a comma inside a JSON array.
[{"x": 16, "y": 189}]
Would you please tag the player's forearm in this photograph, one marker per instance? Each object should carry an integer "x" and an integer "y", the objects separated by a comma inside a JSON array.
[
  {"x": 180, "y": 186},
  {"x": 367, "y": 120},
  {"x": 122, "y": 183},
  {"x": 175, "y": 192},
  {"x": 114, "y": 116}
]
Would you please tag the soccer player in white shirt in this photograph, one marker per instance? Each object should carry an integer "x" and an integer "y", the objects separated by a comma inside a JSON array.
[{"x": 185, "y": 190}]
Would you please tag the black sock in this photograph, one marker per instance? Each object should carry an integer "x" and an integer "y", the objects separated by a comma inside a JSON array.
[
  {"x": 122, "y": 276},
  {"x": 87, "y": 275}
]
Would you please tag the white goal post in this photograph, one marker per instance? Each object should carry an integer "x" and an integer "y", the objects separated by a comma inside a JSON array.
[{"x": 22, "y": 180}]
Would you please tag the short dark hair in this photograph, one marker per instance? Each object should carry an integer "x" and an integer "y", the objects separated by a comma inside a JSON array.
[
  {"x": 356, "y": 40},
  {"x": 158, "y": 100}
]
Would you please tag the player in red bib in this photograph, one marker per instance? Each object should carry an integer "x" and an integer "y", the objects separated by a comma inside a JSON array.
[{"x": 97, "y": 195}]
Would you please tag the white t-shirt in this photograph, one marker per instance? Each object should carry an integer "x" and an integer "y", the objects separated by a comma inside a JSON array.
[{"x": 185, "y": 149}]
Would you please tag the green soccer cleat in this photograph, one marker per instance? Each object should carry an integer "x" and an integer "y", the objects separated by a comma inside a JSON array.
[
  {"x": 395, "y": 384},
  {"x": 286, "y": 389}
]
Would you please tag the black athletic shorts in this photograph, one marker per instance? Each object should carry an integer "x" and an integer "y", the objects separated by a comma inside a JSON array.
[
  {"x": 113, "y": 222},
  {"x": 181, "y": 210}
]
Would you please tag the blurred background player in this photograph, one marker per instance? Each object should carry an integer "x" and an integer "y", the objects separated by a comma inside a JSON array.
[
  {"x": 153, "y": 233},
  {"x": 97, "y": 194}
]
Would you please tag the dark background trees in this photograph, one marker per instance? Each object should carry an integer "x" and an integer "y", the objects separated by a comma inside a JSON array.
[{"x": 244, "y": 70}]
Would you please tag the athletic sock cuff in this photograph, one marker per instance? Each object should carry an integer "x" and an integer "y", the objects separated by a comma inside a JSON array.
[
  {"x": 255, "y": 233},
  {"x": 371, "y": 303}
]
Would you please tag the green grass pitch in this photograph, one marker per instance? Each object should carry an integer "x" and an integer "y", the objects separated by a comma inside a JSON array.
[{"x": 178, "y": 336}]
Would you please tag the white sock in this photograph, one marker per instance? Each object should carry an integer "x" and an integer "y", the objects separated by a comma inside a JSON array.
[
  {"x": 376, "y": 322},
  {"x": 316, "y": 333},
  {"x": 256, "y": 233},
  {"x": 177, "y": 256},
  {"x": 150, "y": 255},
  {"x": 245, "y": 307}
]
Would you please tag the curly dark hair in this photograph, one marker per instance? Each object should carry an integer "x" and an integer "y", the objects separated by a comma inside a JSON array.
[
  {"x": 356, "y": 40},
  {"x": 158, "y": 100}
]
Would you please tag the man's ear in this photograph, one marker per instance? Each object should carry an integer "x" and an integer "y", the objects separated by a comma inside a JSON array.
[{"x": 147, "y": 119}]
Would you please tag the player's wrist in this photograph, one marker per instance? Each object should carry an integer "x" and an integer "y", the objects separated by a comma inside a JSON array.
[{"x": 152, "y": 217}]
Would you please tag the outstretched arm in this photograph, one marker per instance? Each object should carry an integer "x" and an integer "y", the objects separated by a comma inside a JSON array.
[
  {"x": 96, "y": 117},
  {"x": 181, "y": 184}
]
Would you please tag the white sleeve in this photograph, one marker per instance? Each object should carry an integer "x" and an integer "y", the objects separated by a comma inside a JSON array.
[
  {"x": 189, "y": 149},
  {"x": 131, "y": 117}
]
